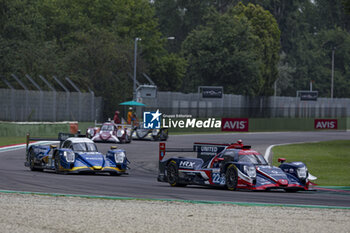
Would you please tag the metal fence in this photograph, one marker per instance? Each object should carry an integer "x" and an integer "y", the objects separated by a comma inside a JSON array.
[
  {"x": 26, "y": 105},
  {"x": 193, "y": 104},
  {"x": 287, "y": 112}
]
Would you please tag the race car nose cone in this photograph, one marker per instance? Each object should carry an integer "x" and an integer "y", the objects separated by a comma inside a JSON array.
[
  {"x": 282, "y": 182},
  {"x": 105, "y": 136}
]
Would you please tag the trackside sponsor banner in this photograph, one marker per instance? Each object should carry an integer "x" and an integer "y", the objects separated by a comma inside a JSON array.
[
  {"x": 235, "y": 124},
  {"x": 326, "y": 124}
]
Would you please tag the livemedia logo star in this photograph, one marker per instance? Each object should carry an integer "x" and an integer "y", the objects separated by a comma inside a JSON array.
[{"x": 152, "y": 120}]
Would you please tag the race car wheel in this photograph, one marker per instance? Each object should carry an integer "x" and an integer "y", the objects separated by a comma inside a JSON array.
[
  {"x": 173, "y": 175},
  {"x": 57, "y": 164},
  {"x": 32, "y": 162},
  {"x": 127, "y": 139},
  {"x": 164, "y": 135},
  {"x": 123, "y": 140},
  {"x": 231, "y": 177}
]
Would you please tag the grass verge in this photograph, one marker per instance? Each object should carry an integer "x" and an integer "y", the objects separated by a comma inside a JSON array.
[
  {"x": 4, "y": 141},
  {"x": 329, "y": 161}
]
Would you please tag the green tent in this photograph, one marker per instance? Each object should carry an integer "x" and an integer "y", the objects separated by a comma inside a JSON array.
[{"x": 132, "y": 103}]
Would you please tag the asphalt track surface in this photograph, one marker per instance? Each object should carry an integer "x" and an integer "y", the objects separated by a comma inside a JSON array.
[{"x": 142, "y": 179}]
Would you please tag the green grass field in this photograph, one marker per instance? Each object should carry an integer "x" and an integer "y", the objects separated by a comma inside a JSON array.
[
  {"x": 11, "y": 140},
  {"x": 329, "y": 161}
]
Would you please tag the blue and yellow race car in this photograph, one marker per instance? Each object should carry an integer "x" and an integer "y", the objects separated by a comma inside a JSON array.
[{"x": 75, "y": 155}]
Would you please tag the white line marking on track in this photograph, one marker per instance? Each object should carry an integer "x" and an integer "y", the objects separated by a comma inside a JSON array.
[{"x": 21, "y": 146}]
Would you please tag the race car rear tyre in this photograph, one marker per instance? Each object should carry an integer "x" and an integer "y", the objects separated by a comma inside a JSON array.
[
  {"x": 32, "y": 162},
  {"x": 231, "y": 177},
  {"x": 57, "y": 164},
  {"x": 173, "y": 175}
]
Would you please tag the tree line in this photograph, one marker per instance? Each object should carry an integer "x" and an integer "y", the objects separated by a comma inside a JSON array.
[{"x": 245, "y": 46}]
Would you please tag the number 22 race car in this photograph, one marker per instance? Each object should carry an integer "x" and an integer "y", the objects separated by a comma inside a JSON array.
[
  {"x": 234, "y": 166},
  {"x": 75, "y": 155}
]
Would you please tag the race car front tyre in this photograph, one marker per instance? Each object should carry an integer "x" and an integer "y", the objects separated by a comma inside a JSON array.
[
  {"x": 164, "y": 135},
  {"x": 173, "y": 175},
  {"x": 123, "y": 140},
  {"x": 127, "y": 139},
  {"x": 231, "y": 177},
  {"x": 32, "y": 162}
]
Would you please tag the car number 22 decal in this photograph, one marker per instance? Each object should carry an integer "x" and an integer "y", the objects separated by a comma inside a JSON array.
[{"x": 218, "y": 179}]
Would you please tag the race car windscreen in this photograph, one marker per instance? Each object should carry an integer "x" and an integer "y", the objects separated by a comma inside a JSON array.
[
  {"x": 255, "y": 159},
  {"x": 107, "y": 128},
  {"x": 84, "y": 147}
]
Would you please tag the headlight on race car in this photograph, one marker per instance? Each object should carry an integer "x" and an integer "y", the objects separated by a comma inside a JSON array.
[
  {"x": 302, "y": 172},
  {"x": 120, "y": 133},
  {"x": 69, "y": 156},
  {"x": 91, "y": 132},
  {"x": 119, "y": 157},
  {"x": 250, "y": 171},
  {"x": 155, "y": 132}
]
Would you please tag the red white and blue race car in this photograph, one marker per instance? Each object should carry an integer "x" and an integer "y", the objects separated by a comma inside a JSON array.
[
  {"x": 110, "y": 132},
  {"x": 234, "y": 166}
]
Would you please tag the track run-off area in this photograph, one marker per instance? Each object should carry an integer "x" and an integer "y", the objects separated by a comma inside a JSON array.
[{"x": 142, "y": 179}]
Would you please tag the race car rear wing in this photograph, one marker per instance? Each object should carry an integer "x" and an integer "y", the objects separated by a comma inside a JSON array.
[
  {"x": 204, "y": 151},
  {"x": 61, "y": 137}
]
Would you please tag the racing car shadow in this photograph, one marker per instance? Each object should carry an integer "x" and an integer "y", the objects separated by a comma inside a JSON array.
[
  {"x": 199, "y": 187},
  {"x": 84, "y": 174}
]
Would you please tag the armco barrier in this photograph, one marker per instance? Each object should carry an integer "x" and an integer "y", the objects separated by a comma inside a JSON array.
[{"x": 49, "y": 129}]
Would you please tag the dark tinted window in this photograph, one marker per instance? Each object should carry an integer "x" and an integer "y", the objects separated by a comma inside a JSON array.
[
  {"x": 107, "y": 128},
  {"x": 85, "y": 147},
  {"x": 229, "y": 153},
  {"x": 252, "y": 158},
  {"x": 66, "y": 144}
]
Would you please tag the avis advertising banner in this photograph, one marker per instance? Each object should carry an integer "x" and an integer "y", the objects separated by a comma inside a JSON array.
[
  {"x": 235, "y": 124},
  {"x": 326, "y": 124}
]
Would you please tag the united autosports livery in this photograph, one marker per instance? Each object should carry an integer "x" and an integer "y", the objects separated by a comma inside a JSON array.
[{"x": 235, "y": 166}]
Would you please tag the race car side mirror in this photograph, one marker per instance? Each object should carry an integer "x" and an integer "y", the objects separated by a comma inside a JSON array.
[
  {"x": 281, "y": 160},
  {"x": 53, "y": 146}
]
